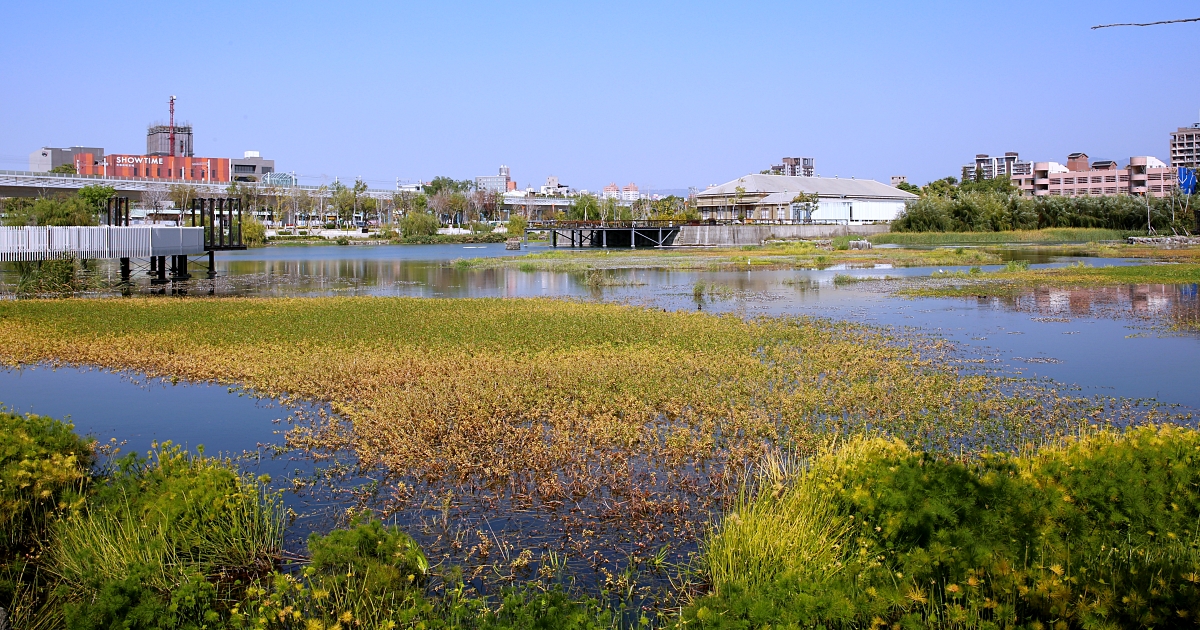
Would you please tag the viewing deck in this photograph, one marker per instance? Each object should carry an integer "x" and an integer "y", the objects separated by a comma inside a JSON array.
[{"x": 93, "y": 243}]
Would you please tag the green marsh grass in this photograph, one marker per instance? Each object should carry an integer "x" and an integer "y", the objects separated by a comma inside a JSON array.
[{"x": 1049, "y": 235}]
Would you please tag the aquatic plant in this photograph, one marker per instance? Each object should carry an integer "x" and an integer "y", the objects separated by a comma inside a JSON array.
[{"x": 619, "y": 427}]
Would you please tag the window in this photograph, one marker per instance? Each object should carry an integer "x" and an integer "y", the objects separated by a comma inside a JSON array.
[
  {"x": 1068, "y": 180},
  {"x": 1056, "y": 181},
  {"x": 135, "y": 171},
  {"x": 1110, "y": 178},
  {"x": 243, "y": 168},
  {"x": 158, "y": 172}
]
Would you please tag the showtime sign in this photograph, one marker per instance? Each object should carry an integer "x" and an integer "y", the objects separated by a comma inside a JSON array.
[
  {"x": 130, "y": 160},
  {"x": 166, "y": 167}
]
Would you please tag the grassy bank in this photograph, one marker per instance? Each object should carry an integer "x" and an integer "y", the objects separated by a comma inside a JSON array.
[
  {"x": 778, "y": 255},
  {"x": 1049, "y": 235},
  {"x": 1095, "y": 533},
  {"x": 1017, "y": 279}
]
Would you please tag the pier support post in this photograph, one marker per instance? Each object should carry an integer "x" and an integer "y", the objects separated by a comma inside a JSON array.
[
  {"x": 124, "y": 271},
  {"x": 212, "y": 265},
  {"x": 632, "y": 238},
  {"x": 153, "y": 266},
  {"x": 604, "y": 238},
  {"x": 161, "y": 269}
]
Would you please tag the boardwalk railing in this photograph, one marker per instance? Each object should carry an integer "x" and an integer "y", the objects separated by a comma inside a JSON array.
[{"x": 90, "y": 243}]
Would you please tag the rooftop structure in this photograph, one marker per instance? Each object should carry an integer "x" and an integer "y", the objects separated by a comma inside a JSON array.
[
  {"x": 899, "y": 179},
  {"x": 825, "y": 200},
  {"x": 988, "y": 167},
  {"x": 1144, "y": 175}
]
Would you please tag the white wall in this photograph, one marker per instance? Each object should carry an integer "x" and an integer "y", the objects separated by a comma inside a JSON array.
[{"x": 857, "y": 210}]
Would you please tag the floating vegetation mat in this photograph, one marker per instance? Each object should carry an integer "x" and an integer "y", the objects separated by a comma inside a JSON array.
[{"x": 512, "y": 436}]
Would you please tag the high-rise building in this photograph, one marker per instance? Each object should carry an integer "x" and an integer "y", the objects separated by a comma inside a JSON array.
[
  {"x": 612, "y": 191},
  {"x": 630, "y": 192},
  {"x": 158, "y": 140},
  {"x": 1185, "y": 147},
  {"x": 496, "y": 183},
  {"x": 795, "y": 167},
  {"x": 1009, "y": 164}
]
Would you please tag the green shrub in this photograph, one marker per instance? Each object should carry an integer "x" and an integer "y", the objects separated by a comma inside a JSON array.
[
  {"x": 419, "y": 224},
  {"x": 516, "y": 227},
  {"x": 841, "y": 243},
  {"x": 1100, "y": 532},
  {"x": 254, "y": 233}
]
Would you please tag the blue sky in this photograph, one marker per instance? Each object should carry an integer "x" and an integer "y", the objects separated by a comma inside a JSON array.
[{"x": 665, "y": 94}]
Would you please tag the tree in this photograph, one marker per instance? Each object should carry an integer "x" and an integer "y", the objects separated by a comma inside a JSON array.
[
  {"x": 53, "y": 211},
  {"x": 584, "y": 208},
  {"x": 907, "y": 187},
  {"x": 68, "y": 169},
  {"x": 447, "y": 184},
  {"x": 182, "y": 195},
  {"x": 96, "y": 197},
  {"x": 153, "y": 199}
]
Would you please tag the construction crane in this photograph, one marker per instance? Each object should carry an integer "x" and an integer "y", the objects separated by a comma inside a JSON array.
[{"x": 172, "y": 125}]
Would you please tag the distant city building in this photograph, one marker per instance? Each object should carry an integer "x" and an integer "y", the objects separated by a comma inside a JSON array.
[
  {"x": 629, "y": 193},
  {"x": 1144, "y": 175},
  {"x": 154, "y": 167},
  {"x": 611, "y": 191},
  {"x": 158, "y": 140},
  {"x": 554, "y": 188},
  {"x": 795, "y": 167},
  {"x": 47, "y": 158},
  {"x": 1185, "y": 147},
  {"x": 899, "y": 179},
  {"x": 250, "y": 167},
  {"x": 1007, "y": 165},
  {"x": 496, "y": 183},
  {"x": 773, "y": 198}
]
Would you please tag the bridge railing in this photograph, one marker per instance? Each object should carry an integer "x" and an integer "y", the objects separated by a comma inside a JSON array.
[{"x": 96, "y": 242}]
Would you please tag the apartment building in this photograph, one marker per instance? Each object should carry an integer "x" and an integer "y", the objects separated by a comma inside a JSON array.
[
  {"x": 1081, "y": 178},
  {"x": 1185, "y": 147},
  {"x": 795, "y": 167},
  {"x": 1009, "y": 165},
  {"x": 630, "y": 192}
]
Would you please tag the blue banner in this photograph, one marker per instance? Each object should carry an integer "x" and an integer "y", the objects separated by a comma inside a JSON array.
[{"x": 1187, "y": 180}]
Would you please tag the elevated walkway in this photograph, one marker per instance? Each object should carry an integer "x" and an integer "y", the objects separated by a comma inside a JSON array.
[{"x": 93, "y": 243}]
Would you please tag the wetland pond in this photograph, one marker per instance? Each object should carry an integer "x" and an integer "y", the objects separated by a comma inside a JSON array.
[{"x": 1110, "y": 342}]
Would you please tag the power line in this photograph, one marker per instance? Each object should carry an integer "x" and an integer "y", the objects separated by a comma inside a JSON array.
[{"x": 1147, "y": 23}]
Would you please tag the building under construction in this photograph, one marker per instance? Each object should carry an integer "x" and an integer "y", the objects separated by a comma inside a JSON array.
[{"x": 158, "y": 140}]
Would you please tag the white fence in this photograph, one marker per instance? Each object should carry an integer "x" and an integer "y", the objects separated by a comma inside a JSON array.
[{"x": 43, "y": 243}]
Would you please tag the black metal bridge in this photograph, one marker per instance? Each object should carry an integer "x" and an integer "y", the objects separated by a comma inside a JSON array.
[{"x": 632, "y": 234}]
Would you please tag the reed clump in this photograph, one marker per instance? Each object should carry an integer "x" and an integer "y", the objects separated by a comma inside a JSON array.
[{"x": 1098, "y": 531}]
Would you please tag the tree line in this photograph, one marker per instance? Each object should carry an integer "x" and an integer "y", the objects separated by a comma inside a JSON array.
[{"x": 946, "y": 205}]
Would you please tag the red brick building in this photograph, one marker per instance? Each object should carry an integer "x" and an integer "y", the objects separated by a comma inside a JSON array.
[{"x": 155, "y": 167}]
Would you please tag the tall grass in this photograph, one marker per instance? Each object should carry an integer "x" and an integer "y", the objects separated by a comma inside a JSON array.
[
  {"x": 1048, "y": 235},
  {"x": 175, "y": 523}
]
